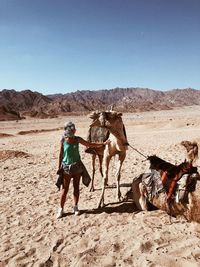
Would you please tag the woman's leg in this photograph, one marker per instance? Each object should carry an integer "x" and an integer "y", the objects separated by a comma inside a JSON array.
[
  {"x": 76, "y": 183},
  {"x": 66, "y": 182}
]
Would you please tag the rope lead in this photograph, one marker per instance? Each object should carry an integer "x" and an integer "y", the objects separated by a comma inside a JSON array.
[{"x": 138, "y": 151}]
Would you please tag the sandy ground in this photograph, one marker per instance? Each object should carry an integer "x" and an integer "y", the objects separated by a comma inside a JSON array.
[{"x": 116, "y": 235}]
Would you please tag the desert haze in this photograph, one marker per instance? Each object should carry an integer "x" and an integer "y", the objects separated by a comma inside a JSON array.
[{"x": 115, "y": 235}]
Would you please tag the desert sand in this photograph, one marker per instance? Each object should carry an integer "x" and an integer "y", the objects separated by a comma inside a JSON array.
[{"x": 116, "y": 235}]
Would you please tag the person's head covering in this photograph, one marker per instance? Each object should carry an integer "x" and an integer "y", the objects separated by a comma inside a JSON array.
[{"x": 69, "y": 129}]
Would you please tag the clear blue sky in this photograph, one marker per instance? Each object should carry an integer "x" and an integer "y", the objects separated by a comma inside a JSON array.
[{"x": 60, "y": 46}]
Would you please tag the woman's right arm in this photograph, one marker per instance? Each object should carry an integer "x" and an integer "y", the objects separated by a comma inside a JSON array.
[{"x": 90, "y": 144}]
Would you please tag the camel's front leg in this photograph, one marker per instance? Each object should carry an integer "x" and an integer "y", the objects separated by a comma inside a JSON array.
[
  {"x": 142, "y": 199},
  {"x": 93, "y": 172},
  {"x": 138, "y": 193},
  {"x": 106, "y": 161},
  {"x": 118, "y": 175}
]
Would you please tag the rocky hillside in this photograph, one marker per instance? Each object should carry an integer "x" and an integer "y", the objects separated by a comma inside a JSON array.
[{"x": 15, "y": 105}]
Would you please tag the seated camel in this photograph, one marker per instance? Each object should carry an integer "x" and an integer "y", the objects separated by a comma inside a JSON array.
[
  {"x": 112, "y": 121},
  {"x": 174, "y": 189}
]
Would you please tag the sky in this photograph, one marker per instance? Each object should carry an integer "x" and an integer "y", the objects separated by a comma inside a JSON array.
[{"x": 61, "y": 46}]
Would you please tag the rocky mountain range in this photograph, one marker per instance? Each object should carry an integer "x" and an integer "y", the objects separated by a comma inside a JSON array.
[{"x": 17, "y": 105}]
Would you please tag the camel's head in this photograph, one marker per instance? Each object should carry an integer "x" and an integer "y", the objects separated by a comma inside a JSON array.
[
  {"x": 191, "y": 150},
  {"x": 108, "y": 119}
]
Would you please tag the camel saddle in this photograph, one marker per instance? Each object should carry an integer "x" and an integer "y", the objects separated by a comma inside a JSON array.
[{"x": 96, "y": 134}]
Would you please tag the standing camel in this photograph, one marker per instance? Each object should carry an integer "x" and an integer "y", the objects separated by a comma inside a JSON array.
[{"x": 118, "y": 145}]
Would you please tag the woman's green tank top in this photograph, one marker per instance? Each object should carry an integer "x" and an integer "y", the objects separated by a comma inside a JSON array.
[{"x": 71, "y": 152}]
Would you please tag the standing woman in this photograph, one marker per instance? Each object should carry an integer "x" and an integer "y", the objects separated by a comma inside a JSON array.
[{"x": 71, "y": 165}]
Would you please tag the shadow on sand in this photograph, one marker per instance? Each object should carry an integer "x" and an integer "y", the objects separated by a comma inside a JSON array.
[
  {"x": 112, "y": 186},
  {"x": 115, "y": 207}
]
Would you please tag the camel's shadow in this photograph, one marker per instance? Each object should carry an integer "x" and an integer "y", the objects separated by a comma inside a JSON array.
[{"x": 115, "y": 207}]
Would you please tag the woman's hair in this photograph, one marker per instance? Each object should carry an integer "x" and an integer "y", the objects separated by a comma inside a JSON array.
[{"x": 69, "y": 129}]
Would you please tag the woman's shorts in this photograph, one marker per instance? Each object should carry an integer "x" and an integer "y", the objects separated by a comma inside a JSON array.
[{"x": 74, "y": 168}]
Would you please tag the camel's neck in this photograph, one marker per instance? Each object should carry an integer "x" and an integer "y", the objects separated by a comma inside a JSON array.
[{"x": 119, "y": 136}]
